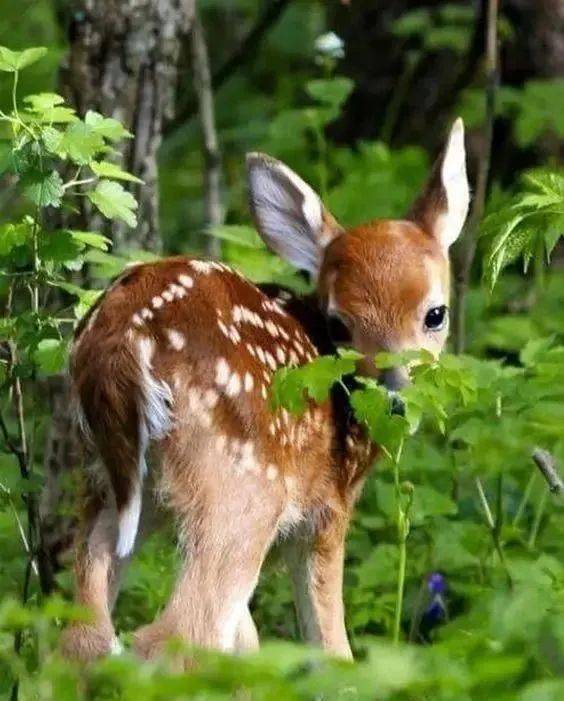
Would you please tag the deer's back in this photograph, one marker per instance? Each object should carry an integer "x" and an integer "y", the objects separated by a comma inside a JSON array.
[{"x": 211, "y": 342}]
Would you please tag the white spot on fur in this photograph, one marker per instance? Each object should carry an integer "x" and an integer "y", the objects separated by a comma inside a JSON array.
[
  {"x": 202, "y": 266},
  {"x": 280, "y": 354},
  {"x": 136, "y": 320},
  {"x": 186, "y": 281},
  {"x": 223, "y": 328},
  {"x": 234, "y": 335},
  {"x": 234, "y": 385},
  {"x": 271, "y": 328},
  {"x": 264, "y": 392},
  {"x": 157, "y": 302},
  {"x": 249, "y": 382},
  {"x": 251, "y": 349},
  {"x": 237, "y": 314},
  {"x": 167, "y": 295},
  {"x": 222, "y": 372},
  {"x": 210, "y": 398},
  {"x": 147, "y": 314},
  {"x": 270, "y": 360},
  {"x": 176, "y": 340}
]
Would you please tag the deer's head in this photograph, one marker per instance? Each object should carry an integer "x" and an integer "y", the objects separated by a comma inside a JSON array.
[{"x": 384, "y": 285}]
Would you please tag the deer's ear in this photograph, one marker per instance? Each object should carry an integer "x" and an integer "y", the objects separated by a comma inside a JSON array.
[
  {"x": 289, "y": 215},
  {"x": 442, "y": 207}
]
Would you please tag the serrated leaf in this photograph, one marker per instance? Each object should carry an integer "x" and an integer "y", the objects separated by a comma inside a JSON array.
[
  {"x": 60, "y": 247},
  {"x": 46, "y": 107},
  {"x": 43, "y": 101},
  {"x": 114, "y": 202},
  {"x": 106, "y": 127},
  {"x": 12, "y": 61},
  {"x": 80, "y": 143},
  {"x": 13, "y": 235},
  {"x": 43, "y": 189},
  {"x": 105, "y": 169},
  {"x": 52, "y": 139},
  {"x": 92, "y": 239}
]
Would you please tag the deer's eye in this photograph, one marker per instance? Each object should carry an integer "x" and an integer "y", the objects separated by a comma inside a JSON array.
[
  {"x": 338, "y": 331},
  {"x": 436, "y": 317}
]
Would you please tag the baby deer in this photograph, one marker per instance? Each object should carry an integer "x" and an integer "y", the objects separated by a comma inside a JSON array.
[{"x": 180, "y": 354}]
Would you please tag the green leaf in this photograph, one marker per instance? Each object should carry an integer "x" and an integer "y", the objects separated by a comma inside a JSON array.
[
  {"x": 104, "y": 169},
  {"x": 50, "y": 355},
  {"x": 52, "y": 139},
  {"x": 46, "y": 107},
  {"x": 80, "y": 143},
  {"x": 91, "y": 239},
  {"x": 12, "y": 61},
  {"x": 240, "y": 234},
  {"x": 106, "y": 127},
  {"x": 13, "y": 235},
  {"x": 114, "y": 202},
  {"x": 60, "y": 247},
  {"x": 43, "y": 189},
  {"x": 372, "y": 407}
]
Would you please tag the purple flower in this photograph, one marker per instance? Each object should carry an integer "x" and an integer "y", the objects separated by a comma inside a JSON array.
[{"x": 436, "y": 583}]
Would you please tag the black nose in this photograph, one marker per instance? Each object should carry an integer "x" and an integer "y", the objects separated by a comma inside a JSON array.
[
  {"x": 397, "y": 406},
  {"x": 393, "y": 379}
]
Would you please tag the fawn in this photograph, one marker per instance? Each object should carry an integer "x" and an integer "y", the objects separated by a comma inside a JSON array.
[{"x": 180, "y": 354}]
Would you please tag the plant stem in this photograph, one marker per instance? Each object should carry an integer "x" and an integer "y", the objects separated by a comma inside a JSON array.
[
  {"x": 524, "y": 499},
  {"x": 402, "y": 523},
  {"x": 495, "y": 526},
  {"x": 14, "y": 94},
  {"x": 537, "y": 521}
]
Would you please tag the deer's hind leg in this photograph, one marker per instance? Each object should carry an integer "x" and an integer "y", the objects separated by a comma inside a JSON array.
[
  {"x": 96, "y": 574},
  {"x": 227, "y": 509}
]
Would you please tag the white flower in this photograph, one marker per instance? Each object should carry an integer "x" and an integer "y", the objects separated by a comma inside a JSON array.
[{"x": 330, "y": 45}]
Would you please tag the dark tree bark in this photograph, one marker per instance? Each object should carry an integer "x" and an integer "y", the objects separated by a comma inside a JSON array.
[{"x": 122, "y": 62}]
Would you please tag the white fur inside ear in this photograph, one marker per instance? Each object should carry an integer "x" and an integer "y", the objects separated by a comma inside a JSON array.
[
  {"x": 455, "y": 183},
  {"x": 288, "y": 213}
]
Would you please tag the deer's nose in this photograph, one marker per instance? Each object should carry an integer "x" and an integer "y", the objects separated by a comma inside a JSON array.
[{"x": 394, "y": 379}]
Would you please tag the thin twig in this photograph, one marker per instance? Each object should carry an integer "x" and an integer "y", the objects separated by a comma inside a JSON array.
[
  {"x": 213, "y": 210},
  {"x": 547, "y": 466},
  {"x": 494, "y": 526},
  {"x": 466, "y": 250}
]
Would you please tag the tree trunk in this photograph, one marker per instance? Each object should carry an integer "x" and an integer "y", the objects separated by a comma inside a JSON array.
[{"x": 122, "y": 62}]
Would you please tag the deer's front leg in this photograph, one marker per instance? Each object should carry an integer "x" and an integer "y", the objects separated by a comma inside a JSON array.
[{"x": 316, "y": 568}]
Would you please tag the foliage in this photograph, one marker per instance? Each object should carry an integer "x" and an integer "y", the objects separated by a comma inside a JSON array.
[
  {"x": 455, "y": 493},
  {"x": 531, "y": 224}
]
